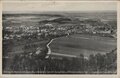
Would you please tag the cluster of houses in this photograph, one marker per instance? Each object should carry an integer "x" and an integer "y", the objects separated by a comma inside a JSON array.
[{"x": 55, "y": 29}]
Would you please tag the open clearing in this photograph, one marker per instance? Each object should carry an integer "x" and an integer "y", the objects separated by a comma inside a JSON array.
[{"x": 83, "y": 44}]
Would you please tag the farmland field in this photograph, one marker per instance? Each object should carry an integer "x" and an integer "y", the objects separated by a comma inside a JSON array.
[{"x": 83, "y": 44}]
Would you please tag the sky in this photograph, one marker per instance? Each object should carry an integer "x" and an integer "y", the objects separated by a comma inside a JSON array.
[{"x": 41, "y": 6}]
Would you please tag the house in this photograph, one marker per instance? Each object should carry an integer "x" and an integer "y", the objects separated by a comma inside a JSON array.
[{"x": 39, "y": 50}]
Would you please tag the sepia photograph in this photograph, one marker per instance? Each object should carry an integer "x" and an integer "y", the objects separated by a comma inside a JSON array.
[{"x": 59, "y": 37}]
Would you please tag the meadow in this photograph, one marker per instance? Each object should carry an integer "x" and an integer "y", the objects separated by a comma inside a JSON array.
[{"x": 83, "y": 44}]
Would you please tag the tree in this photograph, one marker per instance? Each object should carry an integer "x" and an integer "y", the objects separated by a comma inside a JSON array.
[{"x": 92, "y": 63}]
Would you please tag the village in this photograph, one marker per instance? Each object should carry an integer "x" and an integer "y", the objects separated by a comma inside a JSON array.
[{"x": 55, "y": 29}]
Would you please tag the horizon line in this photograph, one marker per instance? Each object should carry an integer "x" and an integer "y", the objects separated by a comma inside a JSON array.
[{"x": 17, "y": 12}]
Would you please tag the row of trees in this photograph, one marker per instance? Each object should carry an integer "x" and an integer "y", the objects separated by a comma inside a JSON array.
[{"x": 98, "y": 63}]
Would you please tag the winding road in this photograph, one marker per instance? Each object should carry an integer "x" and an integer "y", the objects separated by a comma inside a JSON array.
[
  {"x": 49, "y": 49},
  {"x": 59, "y": 54}
]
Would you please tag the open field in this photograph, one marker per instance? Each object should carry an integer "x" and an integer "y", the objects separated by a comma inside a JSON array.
[{"x": 82, "y": 44}]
